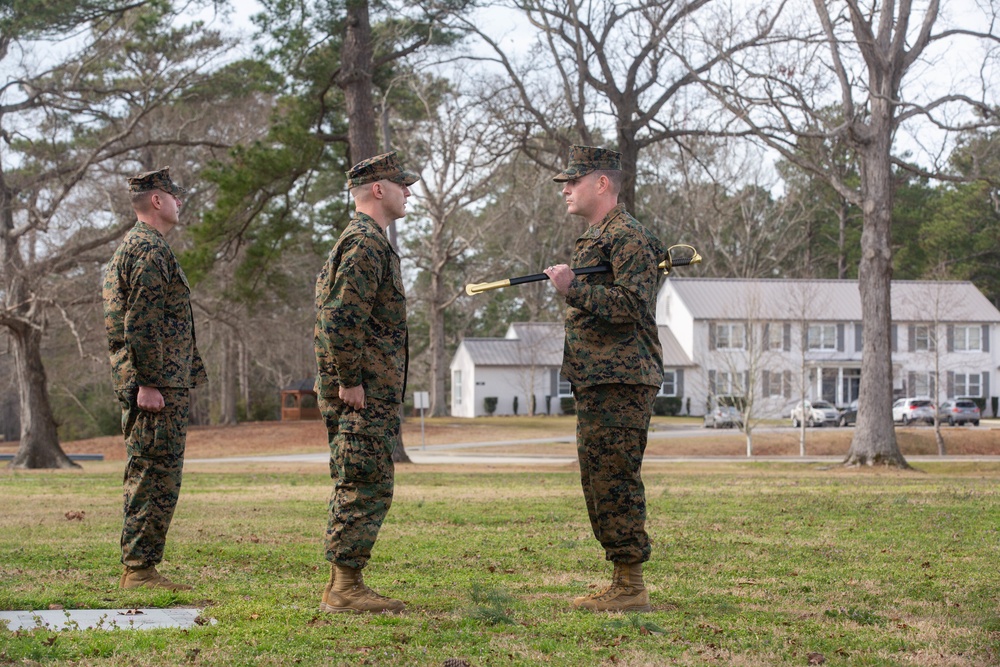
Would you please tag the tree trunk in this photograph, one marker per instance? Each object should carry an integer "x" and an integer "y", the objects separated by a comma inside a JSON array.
[
  {"x": 399, "y": 454},
  {"x": 843, "y": 215},
  {"x": 438, "y": 301},
  {"x": 356, "y": 58},
  {"x": 630, "y": 157},
  {"x": 227, "y": 379},
  {"x": 874, "y": 439},
  {"x": 244, "y": 378},
  {"x": 39, "y": 446},
  {"x": 386, "y": 129},
  {"x": 10, "y": 419},
  {"x": 530, "y": 396},
  {"x": 936, "y": 394},
  {"x": 438, "y": 365},
  {"x": 356, "y": 81},
  {"x": 803, "y": 379},
  {"x": 39, "y": 440}
]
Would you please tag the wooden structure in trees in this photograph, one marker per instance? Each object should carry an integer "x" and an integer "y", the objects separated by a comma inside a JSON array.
[{"x": 298, "y": 402}]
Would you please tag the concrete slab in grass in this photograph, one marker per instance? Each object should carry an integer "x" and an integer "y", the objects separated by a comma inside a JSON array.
[{"x": 102, "y": 619}]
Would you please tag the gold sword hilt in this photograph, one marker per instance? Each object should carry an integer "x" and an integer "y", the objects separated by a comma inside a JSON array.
[{"x": 477, "y": 288}]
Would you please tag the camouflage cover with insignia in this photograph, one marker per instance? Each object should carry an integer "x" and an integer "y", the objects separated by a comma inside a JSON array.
[
  {"x": 360, "y": 334},
  {"x": 611, "y": 334},
  {"x": 148, "y": 316}
]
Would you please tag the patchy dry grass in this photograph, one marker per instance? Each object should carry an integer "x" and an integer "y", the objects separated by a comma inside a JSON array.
[
  {"x": 753, "y": 564},
  {"x": 686, "y": 438}
]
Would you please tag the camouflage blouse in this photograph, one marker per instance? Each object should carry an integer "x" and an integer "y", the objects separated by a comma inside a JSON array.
[
  {"x": 148, "y": 317},
  {"x": 361, "y": 336},
  {"x": 611, "y": 334}
]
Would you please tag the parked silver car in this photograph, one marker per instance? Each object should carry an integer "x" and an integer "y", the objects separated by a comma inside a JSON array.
[
  {"x": 815, "y": 413},
  {"x": 906, "y": 410},
  {"x": 959, "y": 411},
  {"x": 723, "y": 413}
]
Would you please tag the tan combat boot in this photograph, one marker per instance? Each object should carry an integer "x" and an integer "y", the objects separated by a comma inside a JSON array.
[
  {"x": 148, "y": 577},
  {"x": 328, "y": 587},
  {"x": 349, "y": 594},
  {"x": 627, "y": 592}
]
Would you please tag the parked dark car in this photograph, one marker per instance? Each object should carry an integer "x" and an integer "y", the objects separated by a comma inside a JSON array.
[
  {"x": 959, "y": 411},
  {"x": 849, "y": 415}
]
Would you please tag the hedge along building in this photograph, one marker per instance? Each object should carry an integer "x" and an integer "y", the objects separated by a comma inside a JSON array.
[
  {"x": 503, "y": 374},
  {"x": 782, "y": 339}
]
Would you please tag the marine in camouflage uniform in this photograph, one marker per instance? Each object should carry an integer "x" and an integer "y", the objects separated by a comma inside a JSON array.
[
  {"x": 361, "y": 342},
  {"x": 151, "y": 340},
  {"x": 613, "y": 360}
]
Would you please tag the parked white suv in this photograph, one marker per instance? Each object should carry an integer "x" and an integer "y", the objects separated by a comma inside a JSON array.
[
  {"x": 906, "y": 410},
  {"x": 817, "y": 413}
]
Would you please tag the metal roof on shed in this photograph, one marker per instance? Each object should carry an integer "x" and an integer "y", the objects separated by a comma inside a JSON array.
[
  {"x": 537, "y": 343},
  {"x": 674, "y": 355},
  {"x": 829, "y": 300},
  {"x": 541, "y": 344}
]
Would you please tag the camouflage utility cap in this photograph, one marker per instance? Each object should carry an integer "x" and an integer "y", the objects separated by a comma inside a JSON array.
[
  {"x": 585, "y": 159},
  {"x": 154, "y": 180},
  {"x": 383, "y": 167}
]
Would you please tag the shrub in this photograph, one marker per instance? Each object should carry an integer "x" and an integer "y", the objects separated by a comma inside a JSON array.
[
  {"x": 95, "y": 412},
  {"x": 980, "y": 401},
  {"x": 264, "y": 409},
  {"x": 568, "y": 405},
  {"x": 490, "y": 404},
  {"x": 667, "y": 405},
  {"x": 515, "y": 405}
]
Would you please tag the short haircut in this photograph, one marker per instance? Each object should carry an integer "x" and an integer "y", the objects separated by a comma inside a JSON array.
[
  {"x": 362, "y": 192},
  {"x": 140, "y": 200},
  {"x": 615, "y": 176}
]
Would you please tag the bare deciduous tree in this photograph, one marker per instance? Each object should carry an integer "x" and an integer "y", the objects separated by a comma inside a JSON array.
[
  {"x": 530, "y": 230},
  {"x": 68, "y": 121},
  {"x": 804, "y": 309},
  {"x": 721, "y": 201},
  {"x": 930, "y": 343},
  {"x": 865, "y": 53},
  {"x": 746, "y": 359},
  {"x": 625, "y": 72},
  {"x": 459, "y": 157}
]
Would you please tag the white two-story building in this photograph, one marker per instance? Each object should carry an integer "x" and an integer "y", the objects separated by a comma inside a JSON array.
[{"x": 779, "y": 339}]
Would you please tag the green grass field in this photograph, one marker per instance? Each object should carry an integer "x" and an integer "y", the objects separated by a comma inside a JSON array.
[{"x": 753, "y": 564}]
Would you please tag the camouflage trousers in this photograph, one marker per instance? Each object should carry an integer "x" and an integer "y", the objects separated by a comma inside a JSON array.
[
  {"x": 154, "y": 443},
  {"x": 361, "y": 444},
  {"x": 611, "y": 428}
]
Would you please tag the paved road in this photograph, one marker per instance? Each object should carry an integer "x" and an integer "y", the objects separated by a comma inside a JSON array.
[
  {"x": 431, "y": 454},
  {"x": 422, "y": 457}
]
